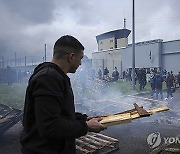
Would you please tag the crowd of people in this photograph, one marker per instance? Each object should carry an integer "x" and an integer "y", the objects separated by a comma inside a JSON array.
[
  {"x": 10, "y": 76},
  {"x": 105, "y": 74},
  {"x": 156, "y": 79}
]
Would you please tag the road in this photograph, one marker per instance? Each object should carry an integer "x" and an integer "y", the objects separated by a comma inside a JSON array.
[{"x": 132, "y": 137}]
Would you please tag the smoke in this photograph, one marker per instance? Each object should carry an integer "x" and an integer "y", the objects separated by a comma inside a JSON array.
[{"x": 96, "y": 97}]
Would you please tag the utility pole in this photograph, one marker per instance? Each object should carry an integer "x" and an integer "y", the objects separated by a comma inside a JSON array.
[
  {"x": 19, "y": 61},
  {"x": 45, "y": 54},
  {"x": 25, "y": 63},
  {"x": 15, "y": 61},
  {"x": 2, "y": 61},
  {"x": 133, "y": 46}
]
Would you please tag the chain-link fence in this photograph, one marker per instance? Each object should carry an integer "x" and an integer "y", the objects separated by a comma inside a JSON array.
[{"x": 21, "y": 61}]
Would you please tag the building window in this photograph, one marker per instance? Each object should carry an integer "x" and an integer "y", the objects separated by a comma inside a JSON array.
[
  {"x": 111, "y": 41},
  {"x": 101, "y": 42}
]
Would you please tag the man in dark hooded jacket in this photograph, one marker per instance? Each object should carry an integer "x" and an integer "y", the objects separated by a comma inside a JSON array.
[{"x": 50, "y": 122}]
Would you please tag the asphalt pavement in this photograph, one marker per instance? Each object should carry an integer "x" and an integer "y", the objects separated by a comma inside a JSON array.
[{"x": 132, "y": 136}]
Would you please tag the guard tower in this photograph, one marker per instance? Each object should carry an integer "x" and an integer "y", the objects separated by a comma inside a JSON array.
[{"x": 113, "y": 39}]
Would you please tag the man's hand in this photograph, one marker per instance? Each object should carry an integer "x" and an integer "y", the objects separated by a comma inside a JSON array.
[
  {"x": 94, "y": 125},
  {"x": 89, "y": 118}
]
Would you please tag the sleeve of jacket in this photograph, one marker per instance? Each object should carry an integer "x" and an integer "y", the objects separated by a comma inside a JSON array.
[
  {"x": 48, "y": 94},
  {"x": 80, "y": 116}
]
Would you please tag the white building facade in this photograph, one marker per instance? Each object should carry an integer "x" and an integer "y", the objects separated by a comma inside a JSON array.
[{"x": 154, "y": 54}]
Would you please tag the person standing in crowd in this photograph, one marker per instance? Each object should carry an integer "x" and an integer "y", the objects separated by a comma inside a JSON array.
[
  {"x": 172, "y": 75},
  {"x": 49, "y": 120},
  {"x": 178, "y": 79},
  {"x": 10, "y": 75},
  {"x": 20, "y": 76},
  {"x": 115, "y": 74},
  {"x": 106, "y": 72},
  {"x": 158, "y": 85},
  {"x": 140, "y": 78},
  {"x": 99, "y": 74},
  {"x": 144, "y": 78},
  {"x": 152, "y": 82},
  {"x": 124, "y": 74},
  {"x": 169, "y": 84}
]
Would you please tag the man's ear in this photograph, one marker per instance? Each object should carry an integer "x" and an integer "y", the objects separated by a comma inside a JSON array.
[{"x": 71, "y": 57}]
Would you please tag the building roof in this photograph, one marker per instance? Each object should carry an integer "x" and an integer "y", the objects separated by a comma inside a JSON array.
[{"x": 120, "y": 33}]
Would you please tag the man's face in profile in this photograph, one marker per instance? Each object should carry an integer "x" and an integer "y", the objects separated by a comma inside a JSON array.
[{"x": 76, "y": 61}]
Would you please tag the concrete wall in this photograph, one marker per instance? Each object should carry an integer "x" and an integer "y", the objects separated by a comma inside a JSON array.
[
  {"x": 164, "y": 55},
  {"x": 171, "y": 46},
  {"x": 171, "y": 62},
  {"x": 171, "y": 56},
  {"x": 142, "y": 56},
  {"x": 109, "y": 59}
]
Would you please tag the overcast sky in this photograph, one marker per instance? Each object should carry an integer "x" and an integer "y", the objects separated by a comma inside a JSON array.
[{"x": 26, "y": 25}]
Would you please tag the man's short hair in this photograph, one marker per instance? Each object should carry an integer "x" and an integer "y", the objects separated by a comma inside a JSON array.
[{"x": 65, "y": 45}]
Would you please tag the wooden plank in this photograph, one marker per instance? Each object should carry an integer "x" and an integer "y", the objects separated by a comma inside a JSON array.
[
  {"x": 92, "y": 141},
  {"x": 81, "y": 150},
  {"x": 141, "y": 111},
  {"x": 116, "y": 119},
  {"x": 122, "y": 118},
  {"x": 86, "y": 144},
  {"x": 105, "y": 142},
  {"x": 6, "y": 119},
  {"x": 159, "y": 109},
  {"x": 106, "y": 137},
  {"x": 5, "y": 110}
]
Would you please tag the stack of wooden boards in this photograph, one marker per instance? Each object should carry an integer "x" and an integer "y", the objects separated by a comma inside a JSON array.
[
  {"x": 129, "y": 115},
  {"x": 8, "y": 117},
  {"x": 96, "y": 143}
]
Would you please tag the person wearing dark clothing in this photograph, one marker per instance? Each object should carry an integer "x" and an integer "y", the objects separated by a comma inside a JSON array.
[
  {"x": 144, "y": 81},
  {"x": 178, "y": 79},
  {"x": 49, "y": 120},
  {"x": 9, "y": 75},
  {"x": 169, "y": 84},
  {"x": 124, "y": 74},
  {"x": 141, "y": 79},
  {"x": 115, "y": 74},
  {"x": 106, "y": 72},
  {"x": 152, "y": 82},
  {"x": 100, "y": 74},
  {"x": 172, "y": 75},
  {"x": 158, "y": 85},
  {"x": 20, "y": 76}
]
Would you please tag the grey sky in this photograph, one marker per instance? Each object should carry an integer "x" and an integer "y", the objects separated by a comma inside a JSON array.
[{"x": 26, "y": 25}]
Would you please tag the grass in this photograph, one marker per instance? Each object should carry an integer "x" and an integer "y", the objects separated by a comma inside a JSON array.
[
  {"x": 126, "y": 87},
  {"x": 13, "y": 95}
]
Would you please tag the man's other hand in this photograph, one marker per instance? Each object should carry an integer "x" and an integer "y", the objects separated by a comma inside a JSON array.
[{"x": 94, "y": 125}]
